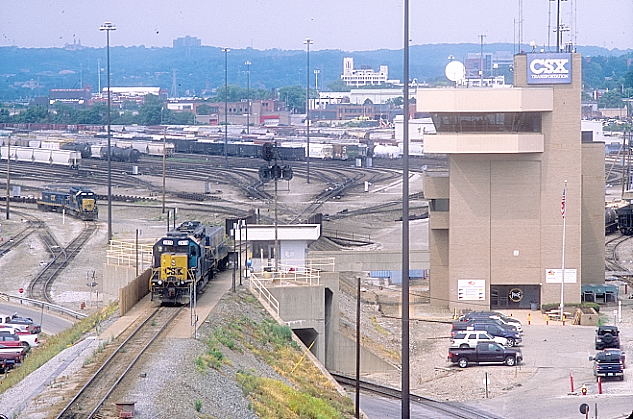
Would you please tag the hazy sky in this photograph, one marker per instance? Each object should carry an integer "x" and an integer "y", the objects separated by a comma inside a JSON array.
[{"x": 333, "y": 24}]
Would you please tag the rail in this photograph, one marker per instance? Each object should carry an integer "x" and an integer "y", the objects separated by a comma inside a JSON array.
[
  {"x": 44, "y": 304},
  {"x": 257, "y": 286},
  {"x": 446, "y": 409}
]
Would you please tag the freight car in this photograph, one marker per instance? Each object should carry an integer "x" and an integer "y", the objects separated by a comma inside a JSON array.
[
  {"x": 625, "y": 220},
  {"x": 78, "y": 201},
  {"x": 237, "y": 149},
  {"x": 185, "y": 260},
  {"x": 66, "y": 158},
  {"x": 610, "y": 220},
  {"x": 127, "y": 155}
]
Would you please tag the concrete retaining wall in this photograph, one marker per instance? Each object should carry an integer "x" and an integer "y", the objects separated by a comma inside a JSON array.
[
  {"x": 132, "y": 293},
  {"x": 358, "y": 260}
]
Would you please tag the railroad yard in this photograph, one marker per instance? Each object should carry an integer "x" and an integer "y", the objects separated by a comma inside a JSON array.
[{"x": 77, "y": 248}]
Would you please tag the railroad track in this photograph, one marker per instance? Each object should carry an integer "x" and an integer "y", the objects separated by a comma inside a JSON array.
[
  {"x": 611, "y": 248},
  {"x": 40, "y": 287},
  {"x": 93, "y": 396},
  {"x": 434, "y": 407}
]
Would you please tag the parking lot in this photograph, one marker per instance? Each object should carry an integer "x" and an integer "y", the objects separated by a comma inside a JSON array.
[{"x": 553, "y": 352}]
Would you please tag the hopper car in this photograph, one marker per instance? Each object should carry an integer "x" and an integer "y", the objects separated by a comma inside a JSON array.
[
  {"x": 186, "y": 259},
  {"x": 77, "y": 201}
]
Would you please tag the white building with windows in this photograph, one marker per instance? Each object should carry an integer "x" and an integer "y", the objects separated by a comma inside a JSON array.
[{"x": 363, "y": 76}]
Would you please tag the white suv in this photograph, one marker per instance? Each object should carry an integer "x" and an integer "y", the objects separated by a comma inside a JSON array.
[{"x": 470, "y": 338}]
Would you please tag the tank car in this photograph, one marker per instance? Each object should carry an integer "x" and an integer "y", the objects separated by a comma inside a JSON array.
[{"x": 186, "y": 259}]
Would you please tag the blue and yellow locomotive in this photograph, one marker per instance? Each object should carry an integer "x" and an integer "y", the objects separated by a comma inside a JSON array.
[
  {"x": 78, "y": 201},
  {"x": 192, "y": 253}
]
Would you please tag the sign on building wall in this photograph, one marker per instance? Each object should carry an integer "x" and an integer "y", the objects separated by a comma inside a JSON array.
[
  {"x": 555, "y": 276},
  {"x": 471, "y": 289},
  {"x": 549, "y": 68}
]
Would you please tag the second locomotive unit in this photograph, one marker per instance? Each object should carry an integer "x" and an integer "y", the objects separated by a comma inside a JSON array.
[
  {"x": 78, "y": 201},
  {"x": 189, "y": 255}
]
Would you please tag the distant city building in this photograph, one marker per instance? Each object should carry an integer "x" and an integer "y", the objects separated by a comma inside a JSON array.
[
  {"x": 493, "y": 64},
  {"x": 122, "y": 95},
  {"x": 187, "y": 42},
  {"x": 75, "y": 46},
  {"x": 69, "y": 96},
  {"x": 363, "y": 76}
]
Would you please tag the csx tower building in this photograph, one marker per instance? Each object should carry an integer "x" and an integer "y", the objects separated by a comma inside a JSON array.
[{"x": 495, "y": 221}]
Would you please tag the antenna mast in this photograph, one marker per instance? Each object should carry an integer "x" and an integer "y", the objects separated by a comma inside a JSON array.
[
  {"x": 174, "y": 86},
  {"x": 481, "y": 60},
  {"x": 520, "y": 25}
]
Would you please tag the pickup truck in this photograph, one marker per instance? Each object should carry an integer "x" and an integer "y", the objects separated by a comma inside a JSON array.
[
  {"x": 484, "y": 352},
  {"x": 26, "y": 339},
  {"x": 11, "y": 355},
  {"x": 608, "y": 363}
]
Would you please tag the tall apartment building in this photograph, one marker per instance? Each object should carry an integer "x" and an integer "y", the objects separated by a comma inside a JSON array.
[{"x": 496, "y": 228}]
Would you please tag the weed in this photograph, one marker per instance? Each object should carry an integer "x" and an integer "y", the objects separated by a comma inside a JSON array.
[
  {"x": 153, "y": 323},
  {"x": 200, "y": 364},
  {"x": 197, "y": 405}
]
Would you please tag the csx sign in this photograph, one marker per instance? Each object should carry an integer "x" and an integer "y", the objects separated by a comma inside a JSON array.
[{"x": 553, "y": 68}]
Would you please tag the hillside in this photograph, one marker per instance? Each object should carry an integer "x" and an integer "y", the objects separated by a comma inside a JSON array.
[{"x": 30, "y": 72}]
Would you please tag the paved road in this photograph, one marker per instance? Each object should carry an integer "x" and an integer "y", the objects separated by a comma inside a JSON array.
[
  {"x": 51, "y": 324},
  {"x": 556, "y": 351}
]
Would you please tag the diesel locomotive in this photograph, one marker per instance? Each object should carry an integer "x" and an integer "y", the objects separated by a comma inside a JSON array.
[
  {"x": 78, "y": 201},
  {"x": 189, "y": 255}
]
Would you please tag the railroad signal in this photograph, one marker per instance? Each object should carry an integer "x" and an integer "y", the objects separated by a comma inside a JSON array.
[
  {"x": 21, "y": 290},
  {"x": 275, "y": 171},
  {"x": 268, "y": 151}
]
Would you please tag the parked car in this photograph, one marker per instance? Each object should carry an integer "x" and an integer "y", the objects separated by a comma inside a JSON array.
[
  {"x": 512, "y": 336},
  {"x": 485, "y": 352},
  {"x": 507, "y": 320},
  {"x": 607, "y": 337},
  {"x": 26, "y": 338},
  {"x": 12, "y": 355},
  {"x": 470, "y": 339},
  {"x": 25, "y": 324},
  {"x": 608, "y": 363}
]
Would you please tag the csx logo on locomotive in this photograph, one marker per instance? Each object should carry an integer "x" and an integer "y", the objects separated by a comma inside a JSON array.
[{"x": 174, "y": 271}]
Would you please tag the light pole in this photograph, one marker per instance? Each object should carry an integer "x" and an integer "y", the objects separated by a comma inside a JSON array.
[
  {"x": 107, "y": 27},
  {"x": 405, "y": 409},
  {"x": 308, "y": 42},
  {"x": 248, "y": 96},
  {"x": 226, "y": 104},
  {"x": 8, "y": 176}
]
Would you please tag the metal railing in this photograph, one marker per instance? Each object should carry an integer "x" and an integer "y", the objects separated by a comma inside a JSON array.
[
  {"x": 44, "y": 305},
  {"x": 123, "y": 252},
  {"x": 257, "y": 286}
]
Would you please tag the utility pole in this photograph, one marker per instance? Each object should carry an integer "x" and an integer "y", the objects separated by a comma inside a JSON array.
[
  {"x": 558, "y": 26},
  {"x": 405, "y": 407},
  {"x": 248, "y": 97},
  {"x": 308, "y": 42},
  {"x": 164, "y": 163},
  {"x": 226, "y": 104},
  {"x": 8, "y": 176},
  {"x": 108, "y": 27},
  {"x": 481, "y": 60},
  {"x": 277, "y": 251}
]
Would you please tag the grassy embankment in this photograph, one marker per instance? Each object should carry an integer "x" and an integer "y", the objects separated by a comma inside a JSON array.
[
  {"x": 54, "y": 345},
  {"x": 304, "y": 390}
]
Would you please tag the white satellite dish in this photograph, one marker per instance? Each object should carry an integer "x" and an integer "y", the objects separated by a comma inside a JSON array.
[{"x": 455, "y": 71}]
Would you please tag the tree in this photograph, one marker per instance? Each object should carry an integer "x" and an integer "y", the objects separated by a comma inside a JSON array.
[
  {"x": 294, "y": 97},
  {"x": 151, "y": 111},
  {"x": 338, "y": 86},
  {"x": 611, "y": 99},
  {"x": 628, "y": 79}
]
